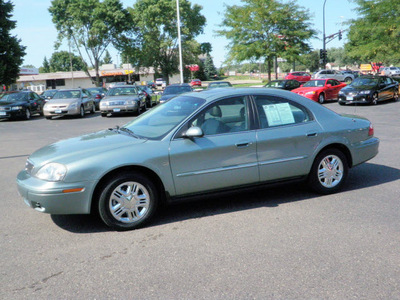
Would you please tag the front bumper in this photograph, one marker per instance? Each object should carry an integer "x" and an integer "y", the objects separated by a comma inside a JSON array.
[
  {"x": 119, "y": 108},
  {"x": 51, "y": 111},
  {"x": 350, "y": 99},
  {"x": 10, "y": 114},
  {"x": 52, "y": 197}
]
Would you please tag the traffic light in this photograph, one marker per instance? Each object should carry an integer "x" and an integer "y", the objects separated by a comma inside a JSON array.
[
  {"x": 322, "y": 54},
  {"x": 340, "y": 35}
]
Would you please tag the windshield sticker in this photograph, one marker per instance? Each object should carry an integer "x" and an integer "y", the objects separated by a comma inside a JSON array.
[{"x": 278, "y": 114}]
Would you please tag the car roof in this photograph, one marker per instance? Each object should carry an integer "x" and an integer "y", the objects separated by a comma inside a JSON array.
[
  {"x": 214, "y": 94},
  {"x": 179, "y": 84}
]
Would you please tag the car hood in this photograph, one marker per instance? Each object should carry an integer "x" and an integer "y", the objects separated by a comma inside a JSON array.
[
  {"x": 167, "y": 97},
  {"x": 121, "y": 98},
  {"x": 12, "y": 103},
  {"x": 350, "y": 88},
  {"x": 307, "y": 89},
  {"x": 71, "y": 150},
  {"x": 62, "y": 101}
]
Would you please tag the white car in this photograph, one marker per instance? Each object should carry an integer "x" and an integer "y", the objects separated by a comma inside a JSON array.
[
  {"x": 334, "y": 74},
  {"x": 391, "y": 71}
]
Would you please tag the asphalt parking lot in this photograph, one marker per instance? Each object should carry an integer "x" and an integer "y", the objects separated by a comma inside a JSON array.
[{"x": 279, "y": 243}]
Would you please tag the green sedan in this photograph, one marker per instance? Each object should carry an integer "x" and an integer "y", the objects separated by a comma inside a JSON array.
[{"x": 196, "y": 144}]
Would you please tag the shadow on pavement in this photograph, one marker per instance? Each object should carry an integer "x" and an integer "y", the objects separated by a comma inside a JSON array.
[{"x": 364, "y": 176}]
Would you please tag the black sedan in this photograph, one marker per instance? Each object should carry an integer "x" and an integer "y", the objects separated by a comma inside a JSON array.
[
  {"x": 369, "y": 90},
  {"x": 288, "y": 85},
  {"x": 20, "y": 105}
]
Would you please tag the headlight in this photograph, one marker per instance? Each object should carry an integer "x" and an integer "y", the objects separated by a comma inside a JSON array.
[
  {"x": 16, "y": 108},
  {"x": 73, "y": 105},
  {"x": 365, "y": 92},
  {"x": 310, "y": 93},
  {"x": 52, "y": 172},
  {"x": 341, "y": 93},
  {"x": 130, "y": 102}
]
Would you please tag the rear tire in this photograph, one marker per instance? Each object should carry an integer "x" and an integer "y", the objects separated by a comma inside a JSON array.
[
  {"x": 329, "y": 172},
  {"x": 127, "y": 201},
  {"x": 48, "y": 118},
  {"x": 396, "y": 96},
  {"x": 93, "y": 110},
  {"x": 104, "y": 115}
]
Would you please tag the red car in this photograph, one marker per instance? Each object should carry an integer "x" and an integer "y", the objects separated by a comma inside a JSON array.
[
  {"x": 195, "y": 82},
  {"x": 320, "y": 90},
  {"x": 299, "y": 76}
]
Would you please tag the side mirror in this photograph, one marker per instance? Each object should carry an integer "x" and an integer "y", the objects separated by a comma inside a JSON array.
[
  {"x": 329, "y": 85},
  {"x": 193, "y": 132},
  {"x": 301, "y": 85}
]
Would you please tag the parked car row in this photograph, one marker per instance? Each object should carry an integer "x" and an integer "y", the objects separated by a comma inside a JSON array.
[
  {"x": 362, "y": 90},
  {"x": 78, "y": 102}
]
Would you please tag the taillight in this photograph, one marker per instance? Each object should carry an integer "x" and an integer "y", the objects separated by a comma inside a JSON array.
[
  {"x": 371, "y": 130},
  {"x": 98, "y": 96}
]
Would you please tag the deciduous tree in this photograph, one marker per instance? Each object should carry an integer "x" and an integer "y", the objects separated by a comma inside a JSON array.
[
  {"x": 91, "y": 25},
  {"x": 375, "y": 34},
  {"x": 61, "y": 62},
  {"x": 266, "y": 29},
  {"x": 155, "y": 42},
  {"x": 11, "y": 51}
]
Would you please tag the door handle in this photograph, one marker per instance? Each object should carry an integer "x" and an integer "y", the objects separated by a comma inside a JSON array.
[
  {"x": 312, "y": 134},
  {"x": 243, "y": 144}
]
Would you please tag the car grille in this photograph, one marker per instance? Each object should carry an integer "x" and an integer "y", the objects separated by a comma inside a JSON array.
[
  {"x": 58, "y": 106},
  {"x": 117, "y": 103}
]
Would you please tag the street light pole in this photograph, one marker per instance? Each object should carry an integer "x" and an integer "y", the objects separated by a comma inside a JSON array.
[
  {"x": 179, "y": 39},
  {"x": 323, "y": 38}
]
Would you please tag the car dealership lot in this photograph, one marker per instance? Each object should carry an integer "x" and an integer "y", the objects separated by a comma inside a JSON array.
[{"x": 284, "y": 242}]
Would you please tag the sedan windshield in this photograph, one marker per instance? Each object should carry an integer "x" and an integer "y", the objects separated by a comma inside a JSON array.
[
  {"x": 362, "y": 81},
  {"x": 174, "y": 90},
  {"x": 275, "y": 84},
  {"x": 49, "y": 93},
  {"x": 14, "y": 97},
  {"x": 122, "y": 91},
  {"x": 156, "y": 123},
  {"x": 314, "y": 83},
  {"x": 67, "y": 94}
]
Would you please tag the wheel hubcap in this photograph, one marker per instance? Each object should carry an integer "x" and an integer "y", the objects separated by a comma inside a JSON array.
[
  {"x": 330, "y": 171},
  {"x": 129, "y": 202}
]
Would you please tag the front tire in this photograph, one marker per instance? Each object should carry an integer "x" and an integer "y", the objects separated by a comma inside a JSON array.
[
  {"x": 375, "y": 99},
  {"x": 321, "y": 98},
  {"x": 81, "y": 112},
  {"x": 27, "y": 114},
  {"x": 127, "y": 201},
  {"x": 395, "y": 96},
  {"x": 329, "y": 172},
  {"x": 348, "y": 80}
]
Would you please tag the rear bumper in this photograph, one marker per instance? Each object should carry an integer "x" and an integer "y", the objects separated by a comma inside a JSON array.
[{"x": 365, "y": 151}]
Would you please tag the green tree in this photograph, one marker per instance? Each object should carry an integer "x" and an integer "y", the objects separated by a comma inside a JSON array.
[
  {"x": 209, "y": 67},
  {"x": 45, "y": 68},
  {"x": 375, "y": 34},
  {"x": 61, "y": 62},
  {"x": 107, "y": 58},
  {"x": 11, "y": 52},
  {"x": 205, "y": 48},
  {"x": 267, "y": 29},
  {"x": 91, "y": 25},
  {"x": 156, "y": 45}
]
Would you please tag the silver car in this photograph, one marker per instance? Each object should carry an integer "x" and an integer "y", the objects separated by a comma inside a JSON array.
[
  {"x": 391, "y": 71},
  {"x": 69, "y": 102},
  {"x": 123, "y": 99},
  {"x": 197, "y": 144},
  {"x": 334, "y": 74}
]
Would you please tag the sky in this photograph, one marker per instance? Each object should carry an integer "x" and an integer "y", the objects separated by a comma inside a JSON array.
[{"x": 37, "y": 31}]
